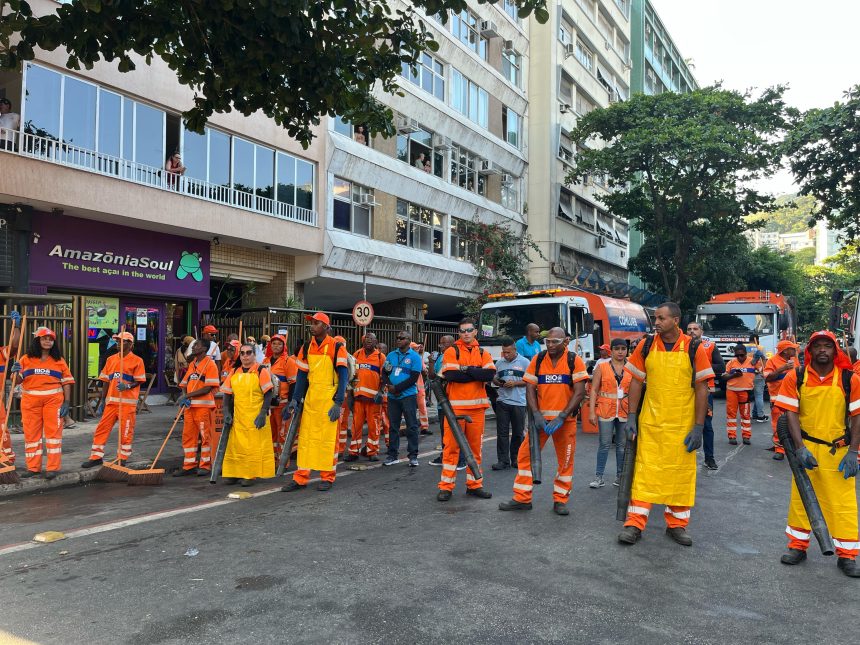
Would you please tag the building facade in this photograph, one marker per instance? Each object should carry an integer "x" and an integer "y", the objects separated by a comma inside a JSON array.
[
  {"x": 657, "y": 67},
  {"x": 398, "y": 210},
  {"x": 88, "y": 207},
  {"x": 580, "y": 60}
]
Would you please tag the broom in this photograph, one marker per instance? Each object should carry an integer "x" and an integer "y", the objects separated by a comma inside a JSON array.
[
  {"x": 112, "y": 471},
  {"x": 153, "y": 476},
  {"x": 7, "y": 468}
]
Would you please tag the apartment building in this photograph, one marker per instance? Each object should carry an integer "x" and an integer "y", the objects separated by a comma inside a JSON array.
[
  {"x": 397, "y": 209},
  {"x": 657, "y": 67},
  {"x": 87, "y": 207},
  {"x": 580, "y": 60}
]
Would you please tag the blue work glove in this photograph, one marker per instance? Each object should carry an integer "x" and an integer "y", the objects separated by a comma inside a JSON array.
[
  {"x": 334, "y": 411},
  {"x": 555, "y": 424},
  {"x": 806, "y": 459},
  {"x": 631, "y": 428},
  {"x": 693, "y": 440},
  {"x": 260, "y": 421},
  {"x": 848, "y": 465},
  {"x": 16, "y": 367},
  {"x": 539, "y": 421},
  {"x": 122, "y": 387},
  {"x": 15, "y": 317},
  {"x": 183, "y": 401},
  {"x": 377, "y": 398},
  {"x": 289, "y": 410},
  {"x": 64, "y": 409}
]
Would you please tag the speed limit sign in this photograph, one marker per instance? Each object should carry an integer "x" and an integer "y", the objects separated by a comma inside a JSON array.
[{"x": 362, "y": 313}]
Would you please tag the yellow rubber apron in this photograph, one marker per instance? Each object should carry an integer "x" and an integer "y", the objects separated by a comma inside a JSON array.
[
  {"x": 665, "y": 472},
  {"x": 822, "y": 415},
  {"x": 318, "y": 435},
  {"x": 249, "y": 451}
]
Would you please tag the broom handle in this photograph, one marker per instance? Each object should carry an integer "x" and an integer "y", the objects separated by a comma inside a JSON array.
[
  {"x": 119, "y": 396},
  {"x": 17, "y": 359},
  {"x": 6, "y": 371},
  {"x": 6, "y": 404},
  {"x": 167, "y": 438}
]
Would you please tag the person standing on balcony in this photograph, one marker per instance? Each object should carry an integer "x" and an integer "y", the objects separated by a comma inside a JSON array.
[
  {"x": 10, "y": 123},
  {"x": 174, "y": 169}
]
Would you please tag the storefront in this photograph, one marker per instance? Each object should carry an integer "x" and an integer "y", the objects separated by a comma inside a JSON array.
[{"x": 152, "y": 283}]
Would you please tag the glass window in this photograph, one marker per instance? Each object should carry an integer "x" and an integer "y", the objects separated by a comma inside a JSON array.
[
  {"x": 585, "y": 56},
  {"x": 353, "y": 207},
  {"x": 42, "y": 103},
  {"x": 342, "y": 215},
  {"x": 429, "y": 75},
  {"x": 419, "y": 227},
  {"x": 79, "y": 113},
  {"x": 469, "y": 99},
  {"x": 511, "y": 68},
  {"x": 511, "y": 320},
  {"x": 511, "y": 126},
  {"x": 110, "y": 118},
  {"x": 194, "y": 154},
  {"x": 511, "y": 194},
  {"x": 583, "y": 104},
  {"x": 465, "y": 27},
  {"x": 243, "y": 165},
  {"x": 265, "y": 172},
  {"x": 510, "y": 8},
  {"x": 219, "y": 158},
  {"x": 286, "y": 179},
  {"x": 462, "y": 246},
  {"x": 342, "y": 127},
  {"x": 149, "y": 136},
  {"x": 127, "y": 128},
  {"x": 304, "y": 184}
]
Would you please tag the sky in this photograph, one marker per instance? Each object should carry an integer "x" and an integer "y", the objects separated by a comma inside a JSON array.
[{"x": 810, "y": 46}]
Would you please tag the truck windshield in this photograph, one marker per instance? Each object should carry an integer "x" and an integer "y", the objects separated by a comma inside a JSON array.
[
  {"x": 497, "y": 322},
  {"x": 721, "y": 323}
]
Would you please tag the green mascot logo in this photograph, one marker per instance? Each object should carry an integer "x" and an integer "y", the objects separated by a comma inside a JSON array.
[{"x": 189, "y": 264}]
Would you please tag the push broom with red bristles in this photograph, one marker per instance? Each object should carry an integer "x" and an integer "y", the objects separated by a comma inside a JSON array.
[
  {"x": 113, "y": 471},
  {"x": 153, "y": 476},
  {"x": 7, "y": 468}
]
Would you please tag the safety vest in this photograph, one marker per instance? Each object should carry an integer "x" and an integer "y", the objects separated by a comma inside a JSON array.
[{"x": 612, "y": 396}]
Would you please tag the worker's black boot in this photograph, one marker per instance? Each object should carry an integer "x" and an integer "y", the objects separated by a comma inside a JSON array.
[
  {"x": 479, "y": 492},
  {"x": 560, "y": 508},
  {"x": 443, "y": 495},
  {"x": 793, "y": 556},
  {"x": 630, "y": 535},
  {"x": 514, "y": 505},
  {"x": 680, "y": 535},
  {"x": 849, "y": 567}
]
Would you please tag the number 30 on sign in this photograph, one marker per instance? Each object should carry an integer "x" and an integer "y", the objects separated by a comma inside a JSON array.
[{"x": 362, "y": 313}]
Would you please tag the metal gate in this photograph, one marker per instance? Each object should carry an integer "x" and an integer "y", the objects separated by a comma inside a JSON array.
[
  {"x": 256, "y": 322},
  {"x": 66, "y": 315}
]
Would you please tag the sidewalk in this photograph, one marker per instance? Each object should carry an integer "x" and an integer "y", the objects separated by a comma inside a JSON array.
[{"x": 150, "y": 430}]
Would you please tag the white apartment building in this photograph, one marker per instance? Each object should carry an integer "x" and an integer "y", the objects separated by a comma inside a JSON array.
[
  {"x": 397, "y": 208},
  {"x": 580, "y": 60}
]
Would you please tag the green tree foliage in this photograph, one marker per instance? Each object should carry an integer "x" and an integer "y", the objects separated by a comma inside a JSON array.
[
  {"x": 764, "y": 269},
  {"x": 804, "y": 257},
  {"x": 293, "y": 60},
  {"x": 792, "y": 214},
  {"x": 824, "y": 154},
  {"x": 680, "y": 165}
]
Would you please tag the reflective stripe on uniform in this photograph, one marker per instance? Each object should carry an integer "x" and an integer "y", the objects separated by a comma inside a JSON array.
[
  {"x": 681, "y": 515},
  {"x": 564, "y": 478},
  {"x": 701, "y": 375},
  {"x": 787, "y": 400},
  {"x": 464, "y": 402},
  {"x": 58, "y": 390},
  {"x": 449, "y": 480},
  {"x": 848, "y": 546},
  {"x": 523, "y": 487},
  {"x": 799, "y": 534},
  {"x": 639, "y": 510},
  {"x": 560, "y": 490},
  {"x": 524, "y": 473}
]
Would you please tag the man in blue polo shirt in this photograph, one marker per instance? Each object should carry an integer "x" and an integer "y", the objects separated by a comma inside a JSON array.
[
  {"x": 399, "y": 377},
  {"x": 511, "y": 404},
  {"x": 529, "y": 346}
]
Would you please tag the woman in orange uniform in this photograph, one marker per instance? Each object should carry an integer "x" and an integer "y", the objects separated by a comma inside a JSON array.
[
  {"x": 608, "y": 408},
  {"x": 46, "y": 391}
]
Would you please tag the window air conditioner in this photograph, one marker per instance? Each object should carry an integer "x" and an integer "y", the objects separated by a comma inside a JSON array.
[
  {"x": 606, "y": 44},
  {"x": 507, "y": 180},
  {"x": 366, "y": 200},
  {"x": 406, "y": 125},
  {"x": 490, "y": 167},
  {"x": 600, "y": 242},
  {"x": 569, "y": 49},
  {"x": 489, "y": 29},
  {"x": 509, "y": 47},
  {"x": 442, "y": 143},
  {"x": 565, "y": 108}
]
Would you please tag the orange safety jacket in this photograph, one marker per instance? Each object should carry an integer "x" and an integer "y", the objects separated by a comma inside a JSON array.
[
  {"x": 612, "y": 396},
  {"x": 44, "y": 377},
  {"x": 133, "y": 371},
  {"x": 744, "y": 382},
  {"x": 471, "y": 395},
  {"x": 368, "y": 373},
  {"x": 200, "y": 374}
]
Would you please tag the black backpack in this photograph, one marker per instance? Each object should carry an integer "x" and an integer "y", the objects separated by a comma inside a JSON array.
[
  {"x": 846, "y": 389},
  {"x": 691, "y": 350}
]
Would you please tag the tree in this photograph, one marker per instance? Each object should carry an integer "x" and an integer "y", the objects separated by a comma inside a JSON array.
[
  {"x": 293, "y": 60},
  {"x": 792, "y": 214},
  {"x": 680, "y": 166},
  {"x": 768, "y": 270},
  {"x": 823, "y": 147},
  {"x": 804, "y": 257}
]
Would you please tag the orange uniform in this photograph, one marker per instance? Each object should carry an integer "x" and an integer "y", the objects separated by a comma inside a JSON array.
[
  {"x": 285, "y": 368},
  {"x": 773, "y": 364},
  {"x": 199, "y": 422},
  {"x": 6, "y": 442},
  {"x": 368, "y": 373},
  {"x": 132, "y": 371},
  {"x": 43, "y": 381},
  {"x": 554, "y": 383},
  {"x": 466, "y": 399},
  {"x": 856, "y": 367},
  {"x": 612, "y": 397},
  {"x": 739, "y": 398}
]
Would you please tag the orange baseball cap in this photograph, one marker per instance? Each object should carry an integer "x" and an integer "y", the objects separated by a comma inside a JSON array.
[
  {"x": 606, "y": 347},
  {"x": 124, "y": 336},
  {"x": 279, "y": 337},
  {"x": 785, "y": 344},
  {"x": 210, "y": 329},
  {"x": 320, "y": 316},
  {"x": 44, "y": 331}
]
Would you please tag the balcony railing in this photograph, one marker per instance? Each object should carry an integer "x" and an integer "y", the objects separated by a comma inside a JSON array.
[{"x": 64, "y": 154}]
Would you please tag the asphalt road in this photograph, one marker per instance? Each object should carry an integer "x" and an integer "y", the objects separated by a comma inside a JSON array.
[{"x": 378, "y": 560}]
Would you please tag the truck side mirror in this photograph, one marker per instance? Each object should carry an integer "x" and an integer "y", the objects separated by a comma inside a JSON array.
[
  {"x": 589, "y": 323},
  {"x": 783, "y": 323}
]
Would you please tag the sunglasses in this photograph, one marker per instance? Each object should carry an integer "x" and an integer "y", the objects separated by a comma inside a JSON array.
[
  {"x": 467, "y": 331},
  {"x": 247, "y": 353},
  {"x": 554, "y": 341}
]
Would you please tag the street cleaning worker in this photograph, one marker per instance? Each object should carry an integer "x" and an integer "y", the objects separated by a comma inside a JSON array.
[
  {"x": 46, "y": 384},
  {"x": 122, "y": 375},
  {"x": 775, "y": 369},
  {"x": 282, "y": 367},
  {"x": 694, "y": 331},
  {"x": 199, "y": 384},
  {"x": 555, "y": 389},
  {"x": 368, "y": 361},
  {"x": 466, "y": 367},
  {"x": 346, "y": 408},
  {"x": 739, "y": 376},
  {"x": 321, "y": 384},
  {"x": 818, "y": 412},
  {"x": 607, "y": 408},
  {"x": 15, "y": 338},
  {"x": 247, "y": 394},
  {"x": 670, "y": 429}
]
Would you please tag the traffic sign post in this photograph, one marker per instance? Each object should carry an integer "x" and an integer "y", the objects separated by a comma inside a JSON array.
[{"x": 362, "y": 313}]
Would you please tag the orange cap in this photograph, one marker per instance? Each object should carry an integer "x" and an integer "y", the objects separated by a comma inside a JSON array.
[
  {"x": 210, "y": 329},
  {"x": 125, "y": 336},
  {"x": 44, "y": 331},
  {"x": 319, "y": 316}
]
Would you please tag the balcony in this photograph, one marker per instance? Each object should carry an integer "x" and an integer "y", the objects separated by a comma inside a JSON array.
[{"x": 64, "y": 154}]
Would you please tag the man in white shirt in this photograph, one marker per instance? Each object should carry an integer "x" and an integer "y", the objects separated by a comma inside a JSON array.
[{"x": 10, "y": 123}]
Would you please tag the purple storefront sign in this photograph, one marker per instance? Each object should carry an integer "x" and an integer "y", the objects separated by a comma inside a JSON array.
[{"x": 85, "y": 254}]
